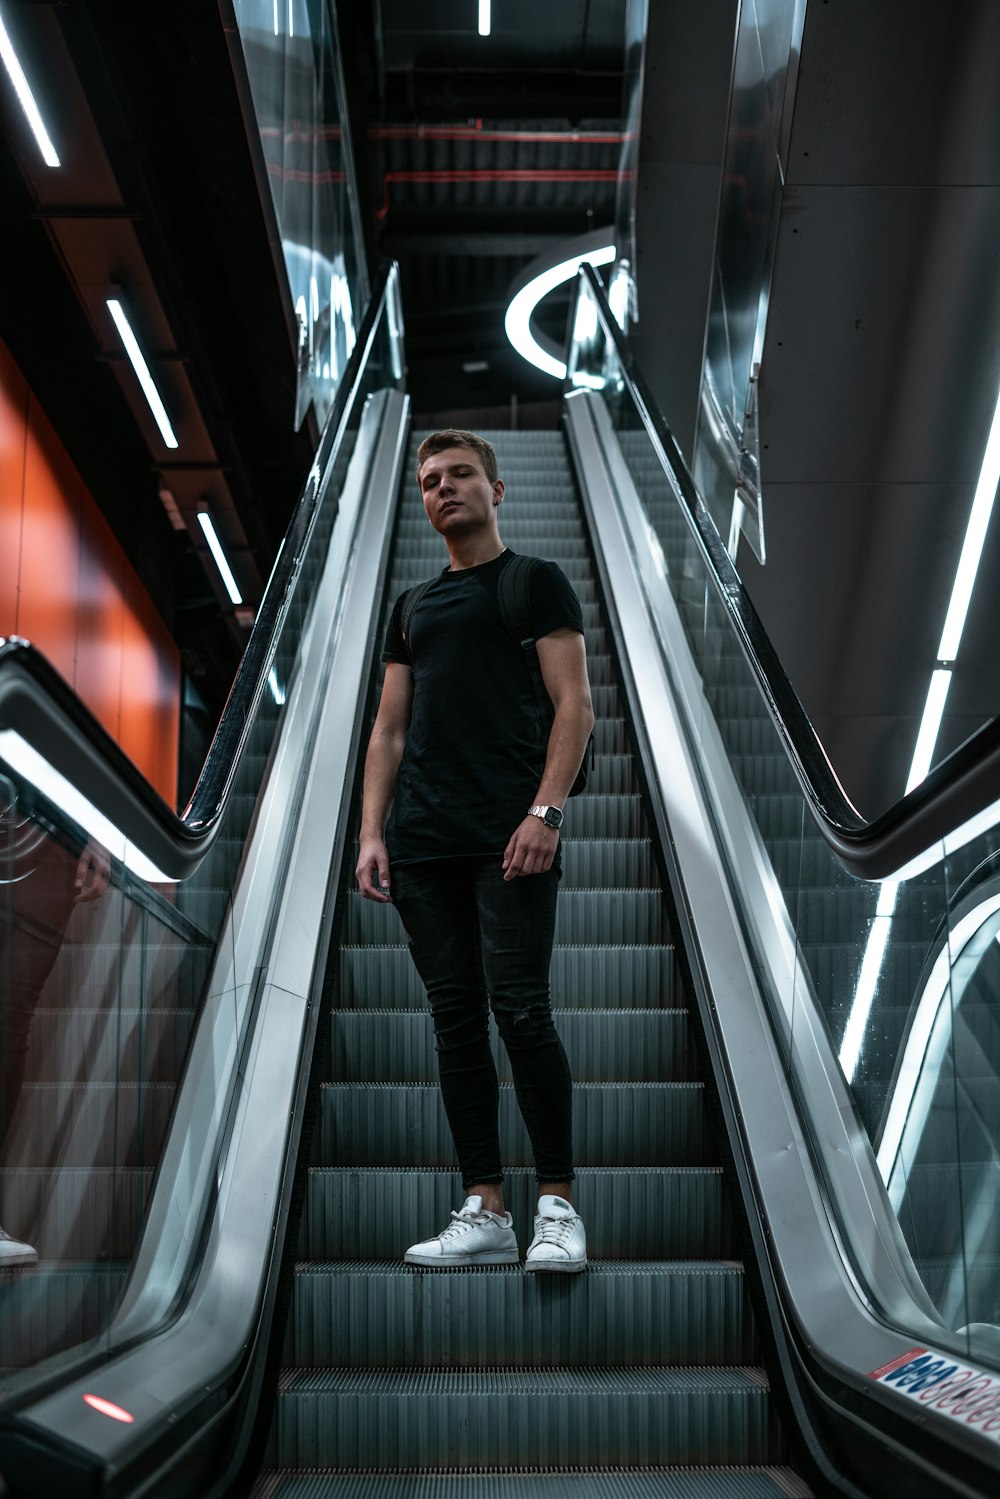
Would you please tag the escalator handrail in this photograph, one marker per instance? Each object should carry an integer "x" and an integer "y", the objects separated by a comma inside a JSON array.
[
  {"x": 957, "y": 790},
  {"x": 37, "y": 702}
]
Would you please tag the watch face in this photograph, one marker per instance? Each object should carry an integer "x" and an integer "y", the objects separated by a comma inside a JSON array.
[{"x": 553, "y": 817}]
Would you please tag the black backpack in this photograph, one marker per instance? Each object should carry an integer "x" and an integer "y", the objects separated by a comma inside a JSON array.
[{"x": 514, "y": 600}]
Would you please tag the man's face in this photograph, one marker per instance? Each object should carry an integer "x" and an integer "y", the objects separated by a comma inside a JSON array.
[{"x": 458, "y": 497}]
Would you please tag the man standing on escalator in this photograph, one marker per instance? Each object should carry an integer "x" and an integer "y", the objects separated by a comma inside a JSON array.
[{"x": 465, "y": 783}]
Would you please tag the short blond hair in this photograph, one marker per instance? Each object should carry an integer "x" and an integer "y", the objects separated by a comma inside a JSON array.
[{"x": 454, "y": 437}]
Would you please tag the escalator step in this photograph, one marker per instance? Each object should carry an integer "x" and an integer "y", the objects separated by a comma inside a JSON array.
[
  {"x": 392, "y": 1316},
  {"x": 75, "y": 1213},
  {"x": 598, "y": 916},
  {"x": 614, "y": 1124},
  {"x": 612, "y": 775},
  {"x": 51, "y": 1304},
  {"x": 571, "y": 1483},
  {"x": 605, "y": 1046},
  {"x": 108, "y": 1044},
  {"x": 595, "y": 816},
  {"x": 374, "y": 1417},
  {"x": 382, "y": 978},
  {"x": 669, "y": 1212},
  {"x": 90, "y": 1124},
  {"x": 604, "y": 863}
]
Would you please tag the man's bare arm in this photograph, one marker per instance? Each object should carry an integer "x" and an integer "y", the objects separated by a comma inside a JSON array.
[
  {"x": 385, "y": 751},
  {"x": 562, "y": 657}
]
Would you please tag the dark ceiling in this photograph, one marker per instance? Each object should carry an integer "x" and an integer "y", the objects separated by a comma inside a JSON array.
[{"x": 481, "y": 154}]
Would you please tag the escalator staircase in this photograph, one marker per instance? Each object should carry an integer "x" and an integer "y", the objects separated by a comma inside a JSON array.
[{"x": 641, "y": 1377}]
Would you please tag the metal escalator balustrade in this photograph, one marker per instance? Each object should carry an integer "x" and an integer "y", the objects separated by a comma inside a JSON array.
[
  {"x": 149, "y": 1006},
  {"x": 424, "y": 1381},
  {"x": 877, "y": 991}
]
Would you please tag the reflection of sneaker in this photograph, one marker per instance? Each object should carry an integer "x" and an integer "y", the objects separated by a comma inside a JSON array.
[
  {"x": 473, "y": 1237},
  {"x": 13, "y": 1252},
  {"x": 560, "y": 1242}
]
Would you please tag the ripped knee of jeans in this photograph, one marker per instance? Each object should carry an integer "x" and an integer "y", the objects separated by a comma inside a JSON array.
[{"x": 525, "y": 1024}]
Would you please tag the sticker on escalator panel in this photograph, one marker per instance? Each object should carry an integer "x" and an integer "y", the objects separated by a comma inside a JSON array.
[{"x": 948, "y": 1386}]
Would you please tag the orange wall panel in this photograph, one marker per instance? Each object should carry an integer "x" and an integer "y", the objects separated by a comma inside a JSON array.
[
  {"x": 66, "y": 585},
  {"x": 13, "y": 424},
  {"x": 50, "y": 544},
  {"x": 100, "y": 630}
]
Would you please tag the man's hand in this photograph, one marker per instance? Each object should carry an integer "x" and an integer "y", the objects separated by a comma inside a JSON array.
[
  {"x": 372, "y": 868},
  {"x": 92, "y": 874},
  {"x": 531, "y": 849}
]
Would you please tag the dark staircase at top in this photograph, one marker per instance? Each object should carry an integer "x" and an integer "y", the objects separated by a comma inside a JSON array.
[{"x": 640, "y": 1377}]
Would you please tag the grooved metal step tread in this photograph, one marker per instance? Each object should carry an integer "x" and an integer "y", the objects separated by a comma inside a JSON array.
[
  {"x": 597, "y": 916},
  {"x": 674, "y": 1212},
  {"x": 75, "y": 1212},
  {"x": 108, "y": 1044},
  {"x": 637, "y": 1313},
  {"x": 565, "y": 1483},
  {"x": 384, "y": 977},
  {"x": 90, "y": 1124},
  {"x": 524, "y": 1417},
  {"x": 614, "y": 1124},
  {"x": 45, "y": 1306},
  {"x": 635, "y": 1045}
]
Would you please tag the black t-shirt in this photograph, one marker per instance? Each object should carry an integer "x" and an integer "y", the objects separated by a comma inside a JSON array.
[{"x": 475, "y": 749}]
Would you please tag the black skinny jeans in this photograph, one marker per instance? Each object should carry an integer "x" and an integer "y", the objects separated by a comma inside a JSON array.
[{"x": 477, "y": 942}]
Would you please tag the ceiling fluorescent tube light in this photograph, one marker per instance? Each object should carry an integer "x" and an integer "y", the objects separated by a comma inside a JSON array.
[
  {"x": 221, "y": 562},
  {"x": 484, "y": 17},
  {"x": 972, "y": 549},
  {"x": 517, "y": 323},
  {"x": 27, "y": 99},
  {"x": 141, "y": 368}
]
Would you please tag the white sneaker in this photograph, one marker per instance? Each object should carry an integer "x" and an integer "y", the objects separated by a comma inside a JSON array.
[
  {"x": 14, "y": 1253},
  {"x": 560, "y": 1241},
  {"x": 473, "y": 1237}
]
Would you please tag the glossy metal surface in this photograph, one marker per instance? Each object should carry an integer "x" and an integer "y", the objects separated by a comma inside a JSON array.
[
  {"x": 765, "y": 65},
  {"x": 295, "y": 72}
]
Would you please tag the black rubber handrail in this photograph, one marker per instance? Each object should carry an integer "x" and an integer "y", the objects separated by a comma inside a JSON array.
[
  {"x": 37, "y": 703},
  {"x": 963, "y": 785}
]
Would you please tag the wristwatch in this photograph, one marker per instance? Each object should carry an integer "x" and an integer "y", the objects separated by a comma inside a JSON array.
[{"x": 551, "y": 816}]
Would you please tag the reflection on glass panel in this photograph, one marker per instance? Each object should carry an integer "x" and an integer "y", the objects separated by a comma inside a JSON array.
[
  {"x": 939, "y": 1148},
  {"x": 99, "y": 977},
  {"x": 902, "y": 975},
  {"x": 295, "y": 78}
]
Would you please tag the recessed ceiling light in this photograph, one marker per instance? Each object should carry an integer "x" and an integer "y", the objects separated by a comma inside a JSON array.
[{"x": 484, "y": 17}]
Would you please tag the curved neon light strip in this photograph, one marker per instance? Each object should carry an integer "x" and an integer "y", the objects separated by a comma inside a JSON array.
[{"x": 517, "y": 322}]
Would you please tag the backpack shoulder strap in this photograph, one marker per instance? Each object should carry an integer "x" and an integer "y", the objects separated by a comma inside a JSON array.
[
  {"x": 514, "y": 599},
  {"x": 411, "y": 598}
]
